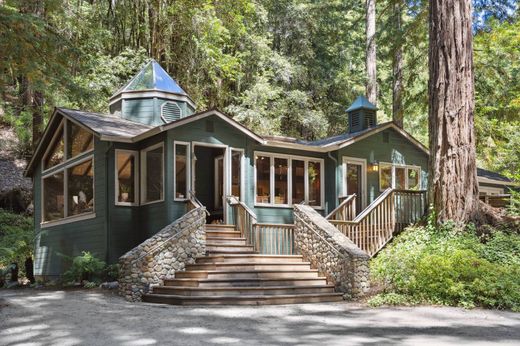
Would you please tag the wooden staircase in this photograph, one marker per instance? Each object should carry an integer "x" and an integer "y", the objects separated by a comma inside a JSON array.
[{"x": 232, "y": 273}]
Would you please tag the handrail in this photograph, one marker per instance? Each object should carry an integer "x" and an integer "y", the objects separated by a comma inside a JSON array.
[
  {"x": 233, "y": 200},
  {"x": 342, "y": 204},
  {"x": 195, "y": 201},
  {"x": 373, "y": 205}
]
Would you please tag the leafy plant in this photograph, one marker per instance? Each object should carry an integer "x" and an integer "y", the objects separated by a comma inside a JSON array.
[
  {"x": 85, "y": 267},
  {"x": 16, "y": 238}
]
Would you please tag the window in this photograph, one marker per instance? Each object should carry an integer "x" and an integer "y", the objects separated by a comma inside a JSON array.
[
  {"x": 263, "y": 180},
  {"x": 79, "y": 140},
  {"x": 68, "y": 189},
  {"x": 283, "y": 180},
  {"x": 80, "y": 185},
  {"x": 126, "y": 177},
  {"x": 236, "y": 178},
  {"x": 153, "y": 177},
  {"x": 181, "y": 168},
  {"x": 399, "y": 177}
]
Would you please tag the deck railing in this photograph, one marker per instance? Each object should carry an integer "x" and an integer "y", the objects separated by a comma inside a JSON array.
[
  {"x": 346, "y": 210},
  {"x": 497, "y": 201},
  {"x": 387, "y": 214},
  {"x": 272, "y": 239},
  {"x": 193, "y": 203}
]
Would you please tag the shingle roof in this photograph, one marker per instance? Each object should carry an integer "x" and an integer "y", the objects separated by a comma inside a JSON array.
[
  {"x": 106, "y": 125},
  {"x": 361, "y": 102},
  {"x": 492, "y": 175}
]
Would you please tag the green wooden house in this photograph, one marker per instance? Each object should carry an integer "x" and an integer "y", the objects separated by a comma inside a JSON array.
[{"x": 104, "y": 183}]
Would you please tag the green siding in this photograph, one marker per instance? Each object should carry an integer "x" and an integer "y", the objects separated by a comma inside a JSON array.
[{"x": 148, "y": 110}]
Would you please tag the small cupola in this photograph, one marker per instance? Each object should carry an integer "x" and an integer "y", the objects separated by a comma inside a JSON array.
[
  {"x": 152, "y": 97},
  {"x": 361, "y": 115}
]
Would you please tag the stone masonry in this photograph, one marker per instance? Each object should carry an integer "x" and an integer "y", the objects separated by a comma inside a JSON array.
[
  {"x": 160, "y": 256},
  {"x": 332, "y": 253}
]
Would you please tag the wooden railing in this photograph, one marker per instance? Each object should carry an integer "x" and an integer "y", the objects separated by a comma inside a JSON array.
[
  {"x": 272, "y": 239},
  {"x": 497, "y": 201},
  {"x": 346, "y": 210},
  {"x": 193, "y": 203},
  {"x": 386, "y": 215}
]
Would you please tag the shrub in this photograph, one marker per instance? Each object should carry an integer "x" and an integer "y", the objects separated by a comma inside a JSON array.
[
  {"x": 451, "y": 267},
  {"x": 16, "y": 238},
  {"x": 85, "y": 267},
  {"x": 390, "y": 298}
]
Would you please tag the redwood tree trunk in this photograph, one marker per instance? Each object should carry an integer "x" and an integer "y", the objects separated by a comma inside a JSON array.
[
  {"x": 452, "y": 171},
  {"x": 371, "y": 51},
  {"x": 397, "y": 81}
]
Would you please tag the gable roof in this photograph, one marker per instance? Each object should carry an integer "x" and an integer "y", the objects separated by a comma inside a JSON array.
[{"x": 490, "y": 177}]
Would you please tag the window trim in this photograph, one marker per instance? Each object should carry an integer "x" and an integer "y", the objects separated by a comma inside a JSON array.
[
  {"x": 289, "y": 158},
  {"x": 364, "y": 184},
  {"x": 66, "y": 161},
  {"x": 136, "y": 178},
  {"x": 67, "y": 219},
  {"x": 406, "y": 167},
  {"x": 188, "y": 170},
  {"x": 144, "y": 173},
  {"x": 241, "y": 172}
]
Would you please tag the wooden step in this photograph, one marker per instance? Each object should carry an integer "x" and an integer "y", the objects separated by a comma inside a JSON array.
[
  {"x": 225, "y": 241},
  {"x": 249, "y": 266},
  {"x": 248, "y": 274},
  {"x": 233, "y": 291},
  {"x": 243, "y": 300},
  {"x": 256, "y": 282},
  {"x": 249, "y": 258},
  {"x": 220, "y": 227},
  {"x": 222, "y": 234},
  {"x": 212, "y": 247}
]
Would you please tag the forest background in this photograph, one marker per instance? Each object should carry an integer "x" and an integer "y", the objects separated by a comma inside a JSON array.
[{"x": 286, "y": 67}]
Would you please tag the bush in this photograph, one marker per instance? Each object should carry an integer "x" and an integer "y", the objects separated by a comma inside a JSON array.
[
  {"x": 16, "y": 241},
  {"x": 450, "y": 267},
  {"x": 85, "y": 267}
]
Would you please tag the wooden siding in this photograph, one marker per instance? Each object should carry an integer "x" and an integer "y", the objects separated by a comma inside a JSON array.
[{"x": 148, "y": 110}]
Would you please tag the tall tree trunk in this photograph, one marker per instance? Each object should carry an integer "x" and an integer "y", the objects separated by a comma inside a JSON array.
[
  {"x": 37, "y": 117},
  {"x": 453, "y": 174},
  {"x": 397, "y": 68},
  {"x": 371, "y": 87}
]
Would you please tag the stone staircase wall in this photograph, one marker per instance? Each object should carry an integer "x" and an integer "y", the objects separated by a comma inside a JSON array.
[
  {"x": 160, "y": 256},
  {"x": 332, "y": 253}
]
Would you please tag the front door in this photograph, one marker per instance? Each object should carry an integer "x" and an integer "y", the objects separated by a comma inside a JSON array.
[{"x": 355, "y": 177}]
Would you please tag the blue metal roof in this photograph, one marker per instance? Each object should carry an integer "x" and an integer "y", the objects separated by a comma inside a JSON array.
[
  {"x": 361, "y": 102},
  {"x": 153, "y": 77}
]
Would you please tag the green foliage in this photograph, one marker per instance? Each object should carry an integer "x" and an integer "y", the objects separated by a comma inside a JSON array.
[
  {"x": 85, "y": 267},
  {"x": 513, "y": 209},
  {"x": 16, "y": 238},
  {"x": 390, "y": 298},
  {"x": 450, "y": 267},
  {"x": 90, "y": 284}
]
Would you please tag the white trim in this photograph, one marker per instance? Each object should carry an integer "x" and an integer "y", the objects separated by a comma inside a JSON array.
[
  {"x": 128, "y": 95},
  {"x": 490, "y": 191},
  {"x": 135, "y": 153},
  {"x": 188, "y": 170},
  {"x": 241, "y": 172},
  {"x": 486, "y": 180},
  {"x": 356, "y": 161},
  {"x": 398, "y": 165},
  {"x": 290, "y": 158},
  {"x": 216, "y": 174},
  {"x": 143, "y": 156},
  {"x": 181, "y": 113},
  {"x": 69, "y": 219}
]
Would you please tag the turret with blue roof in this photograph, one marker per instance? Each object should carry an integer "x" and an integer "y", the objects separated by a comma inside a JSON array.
[{"x": 151, "y": 97}]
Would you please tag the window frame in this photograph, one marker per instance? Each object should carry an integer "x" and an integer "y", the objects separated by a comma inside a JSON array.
[
  {"x": 289, "y": 158},
  {"x": 67, "y": 219},
  {"x": 136, "y": 178},
  {"x": 407, "y": 168},
  {"x": 241, "y": 172},
  {"x": 144, "y": 173},
  {"x": 188, "y": 170}
]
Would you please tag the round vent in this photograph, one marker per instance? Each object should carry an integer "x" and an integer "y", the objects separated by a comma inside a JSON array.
[{"x": 170, "y": 112}]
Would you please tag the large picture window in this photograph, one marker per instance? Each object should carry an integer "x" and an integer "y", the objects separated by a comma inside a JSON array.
[
  {"x": 80, "y": 184},
  {"x": 54, "y": 197},
  {"x": 283, "y": 180},
  {"x": 126, "y": 177},
  {"x": 79, "y": 140},
  {"x": 152, "y": 161},
  {"x": 181, "y": 169},
  {"x": 399, "y": 177}
]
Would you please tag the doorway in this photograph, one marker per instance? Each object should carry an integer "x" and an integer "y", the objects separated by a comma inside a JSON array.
[
  {"x": 355, "y": 180},
  {"x": 209, "y": 178}
]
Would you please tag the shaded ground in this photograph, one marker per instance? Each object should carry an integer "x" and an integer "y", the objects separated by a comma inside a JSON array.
[{"x": 35, "y": 317}]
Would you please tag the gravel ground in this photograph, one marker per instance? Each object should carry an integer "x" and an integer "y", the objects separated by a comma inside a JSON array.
[{"x": 36, "y": 317}]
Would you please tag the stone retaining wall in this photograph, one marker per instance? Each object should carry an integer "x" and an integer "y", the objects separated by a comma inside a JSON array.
[
  {"x": 332, "y": 253},
  {"x": 160, "y": 256}
]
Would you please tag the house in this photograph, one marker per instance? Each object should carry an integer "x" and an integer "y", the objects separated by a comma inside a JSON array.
[{"x": 106, "y": 183}]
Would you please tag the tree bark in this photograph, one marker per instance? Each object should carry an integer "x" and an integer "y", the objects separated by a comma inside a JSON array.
[
  {"x": 397, "y": 69},
  {"x": 371, "y": 87},
  {"x": 452, "y": 171}
]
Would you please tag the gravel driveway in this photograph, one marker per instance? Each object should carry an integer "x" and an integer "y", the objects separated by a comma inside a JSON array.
[{"x": 36, "y": 317}]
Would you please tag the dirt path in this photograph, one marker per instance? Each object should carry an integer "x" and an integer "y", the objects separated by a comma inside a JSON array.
[{"x": 30, "y": 317}]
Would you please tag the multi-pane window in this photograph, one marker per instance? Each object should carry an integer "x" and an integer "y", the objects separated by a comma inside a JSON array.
[
  {"x": 399, "y": 177},
  {"x": 152, "y": 161},
  {"x": 68, "y": 173},
  {"x": 126, "y": 173},
  {"x": 286, "y": 180},
  {"x": 182, "y": 170}
]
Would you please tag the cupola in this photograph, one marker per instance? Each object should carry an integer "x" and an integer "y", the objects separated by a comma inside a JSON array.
[
  {"x": 361, "y": 115},
  {"x": 151, "y": 97}
]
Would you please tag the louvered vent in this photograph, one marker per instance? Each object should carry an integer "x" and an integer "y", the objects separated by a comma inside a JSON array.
[
  {"x": 355, "y": 119},
  {"x": 170, "y": 112},
  {"x": 370, "y": 119}
]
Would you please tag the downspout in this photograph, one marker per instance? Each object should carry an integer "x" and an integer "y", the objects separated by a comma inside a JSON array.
[
  {"x": 107, "y": 201},
  {"x": 329, "y": 154}
]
